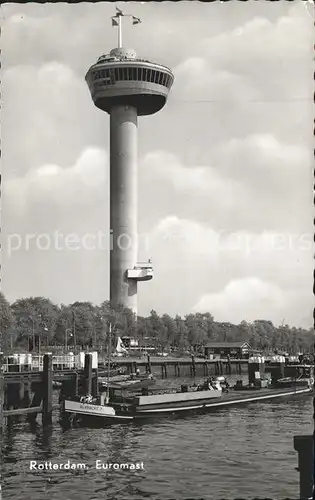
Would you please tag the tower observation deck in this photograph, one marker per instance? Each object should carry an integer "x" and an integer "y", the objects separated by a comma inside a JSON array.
[{"x": 126, "y": 86}]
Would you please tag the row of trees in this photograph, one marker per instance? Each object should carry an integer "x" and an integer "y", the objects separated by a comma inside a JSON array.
[{"x": 83, "y": 323}]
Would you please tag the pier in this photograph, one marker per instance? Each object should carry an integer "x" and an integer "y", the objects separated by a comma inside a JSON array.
[
  {"x": 195, "y": 366},
  {"x": 27, "y": 389},
  {"x": 27, "y": 381}
]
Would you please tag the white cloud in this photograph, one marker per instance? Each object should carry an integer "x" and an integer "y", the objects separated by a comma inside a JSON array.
[
  {"x": 249, "y": 299},
  {"x": 78, "y": 184},
  {"x": 201, "y": 180}
]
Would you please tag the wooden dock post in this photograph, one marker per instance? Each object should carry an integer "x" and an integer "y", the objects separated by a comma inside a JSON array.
[
  {"x": 216, "y": 368},
  {"x": 36, "y": 389},
  {"x": 304, "y": 445},
  {"x": 193, "y": 365},
  {"x": 76, "y": 383},
  {"x": 47, "y": 389},
  {"x": 163, "y": 370},
  {"x": 220, "y": 367},
  {"x": 1, "y": 396},
  {"x": 88, "y": 373},
  {"x": 95, "y": 391},
  {"x": 149, "y": 368}
]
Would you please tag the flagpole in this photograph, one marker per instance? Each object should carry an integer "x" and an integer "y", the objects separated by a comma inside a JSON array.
[{"x": 119, "y": 32}]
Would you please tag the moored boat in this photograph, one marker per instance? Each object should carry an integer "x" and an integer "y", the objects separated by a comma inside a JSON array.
[
  {"x": 125, "y": 406},
  {"x": 121, "y": 405},
  {"x": 128, "y": 383}
]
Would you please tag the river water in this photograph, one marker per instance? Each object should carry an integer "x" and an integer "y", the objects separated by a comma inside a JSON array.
[{"x": 241, "y": 452}]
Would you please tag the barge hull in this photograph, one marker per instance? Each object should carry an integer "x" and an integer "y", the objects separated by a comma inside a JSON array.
[{"x": 227, "y": 400}]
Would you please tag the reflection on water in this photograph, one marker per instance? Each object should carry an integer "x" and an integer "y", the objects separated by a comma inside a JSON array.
[{"x": 241, "y": 452}]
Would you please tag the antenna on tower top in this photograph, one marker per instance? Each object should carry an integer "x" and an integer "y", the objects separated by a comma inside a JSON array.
[{"x": 116, "y": 21}]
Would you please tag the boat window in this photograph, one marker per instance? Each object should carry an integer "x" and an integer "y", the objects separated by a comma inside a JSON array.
[
  {"x": 157, "y": 76},
  {"x": 145, "y": 74},
  {"x": 160, "y": 78}
]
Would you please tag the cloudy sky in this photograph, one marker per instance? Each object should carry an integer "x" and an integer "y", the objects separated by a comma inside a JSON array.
[{"x": 225, "y": 169}]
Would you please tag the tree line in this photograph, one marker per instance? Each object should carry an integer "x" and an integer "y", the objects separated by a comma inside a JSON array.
[{"x": 31, "y": 321}]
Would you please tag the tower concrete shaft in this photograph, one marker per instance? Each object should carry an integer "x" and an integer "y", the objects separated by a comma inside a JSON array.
[
  {"x": 126, "y": 86},
  {"x": 123, "y": 205}
]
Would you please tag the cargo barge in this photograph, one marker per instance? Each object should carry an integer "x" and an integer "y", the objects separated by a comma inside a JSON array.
[{"x": 122, "y": 405}]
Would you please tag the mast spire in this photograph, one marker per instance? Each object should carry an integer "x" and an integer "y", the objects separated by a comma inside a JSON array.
[{"x": 117, "y": 21}]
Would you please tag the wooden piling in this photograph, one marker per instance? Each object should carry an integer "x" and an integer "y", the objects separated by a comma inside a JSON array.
[
  {"x": 193, "y": 366},
  {"x": 1, "y": 396},
  {"x": 88, "y": 373},
  {"x": 76, "y": 383},
  {"x": 304, "y": 445},
  {"x": 36, "y": 400},
  {"x": 21, "y": 393},
  {"x": 216, "y": 368},
  {"x": 149, "y": 368},
  {"x": 47, "y": 389},
  {"x": 95, "y": 391}
]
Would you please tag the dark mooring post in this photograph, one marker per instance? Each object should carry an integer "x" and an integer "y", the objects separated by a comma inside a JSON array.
[
  {"x": 47, "y": 389},
  {"x": 1, "y": 398},
  {"x": 88, "y": 373},
  {"x": 26, "y": 397},
  {"x": 304, "y": 445},
  {"x": 220, "y": 367},
  {"x": 149, "y": 368},
  {"x": 193, "y": 365},
  {"x": 95, "y": 391}
]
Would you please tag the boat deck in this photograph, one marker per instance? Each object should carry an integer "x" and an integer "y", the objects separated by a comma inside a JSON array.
[
  {"x": 248, "y": 395},
  {"x": 233, "y": 397}
]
